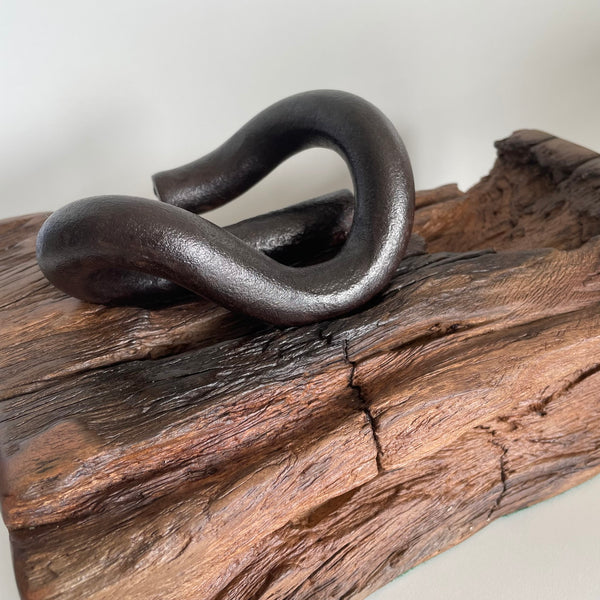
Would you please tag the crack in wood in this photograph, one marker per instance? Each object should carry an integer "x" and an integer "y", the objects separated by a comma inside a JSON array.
[
  {"x": 363, "y": 404},
  {"x": 502, "y": 465},
  {"x": 503, "y": 475},
  {"x": 540, "y": 406}
]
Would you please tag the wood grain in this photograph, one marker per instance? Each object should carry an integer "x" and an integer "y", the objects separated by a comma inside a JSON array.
[{"x": 186, "y": 452}]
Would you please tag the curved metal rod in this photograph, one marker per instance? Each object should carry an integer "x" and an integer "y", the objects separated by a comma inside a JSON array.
[{"x": 96, "y": 248}]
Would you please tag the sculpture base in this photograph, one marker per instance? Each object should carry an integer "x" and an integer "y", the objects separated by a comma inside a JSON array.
[{"x": 186, "y": 452}]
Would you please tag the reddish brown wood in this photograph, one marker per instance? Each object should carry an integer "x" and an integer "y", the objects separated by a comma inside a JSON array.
[{"x": 186, "y": 452}]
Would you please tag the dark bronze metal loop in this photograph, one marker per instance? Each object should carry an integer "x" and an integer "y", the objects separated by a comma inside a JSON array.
[{"x": 121, "y": 249}]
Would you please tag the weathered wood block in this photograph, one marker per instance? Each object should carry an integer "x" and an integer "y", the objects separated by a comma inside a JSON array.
[{"x": 186, "y": 452}]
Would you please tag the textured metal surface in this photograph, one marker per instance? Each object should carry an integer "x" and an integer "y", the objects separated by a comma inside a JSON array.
[{"x": 116, "y": 249}]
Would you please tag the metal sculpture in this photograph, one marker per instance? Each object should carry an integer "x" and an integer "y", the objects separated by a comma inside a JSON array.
[{"x": 119, "y": 249}]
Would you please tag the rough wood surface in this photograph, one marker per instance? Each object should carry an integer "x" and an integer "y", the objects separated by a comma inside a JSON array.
[{"x": 185, "y": 452}]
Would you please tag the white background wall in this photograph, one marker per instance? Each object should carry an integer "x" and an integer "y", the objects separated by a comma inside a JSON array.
[{"x": 96, "y": 96}]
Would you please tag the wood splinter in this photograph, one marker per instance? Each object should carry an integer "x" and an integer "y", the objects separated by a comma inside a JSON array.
[{"x": 187, "y": 452}]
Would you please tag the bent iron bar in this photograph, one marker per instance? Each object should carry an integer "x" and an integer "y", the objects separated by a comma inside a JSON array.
[{"x": 117, "y": 249}]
